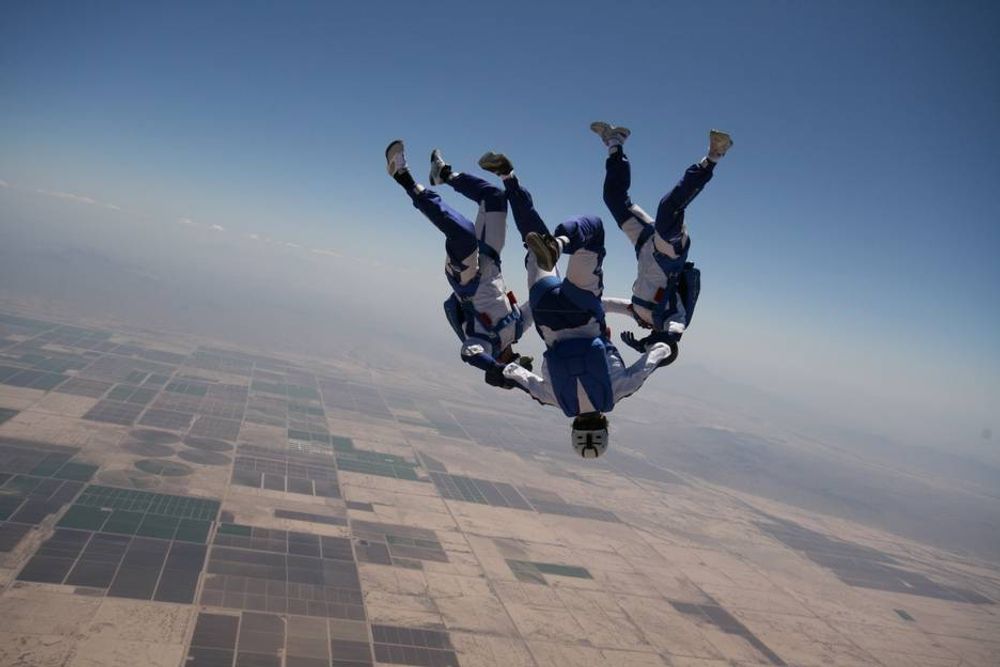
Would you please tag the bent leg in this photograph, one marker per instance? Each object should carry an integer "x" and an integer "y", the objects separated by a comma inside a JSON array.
[
  {"x": 670, "y": 212},
  {"x": 526, "y": 218},
  {"x": 586, "y": 251},
  {"x": 480, "y": 191},
  {"x": 536, "y": 274},
  {"x": 459, "y": 233},
  {"x": 491, "y": 221}
]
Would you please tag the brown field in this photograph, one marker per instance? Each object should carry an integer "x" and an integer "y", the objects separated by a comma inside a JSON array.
[{"x": 172, "y": 501}]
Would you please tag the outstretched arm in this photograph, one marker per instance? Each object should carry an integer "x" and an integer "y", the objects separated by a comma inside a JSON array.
[
  {"x": 660, "y": 354},
  {"x": 535, "y": 385},
  {"x": 527, "y": 316},
  {"x": 617, "y": 306}
]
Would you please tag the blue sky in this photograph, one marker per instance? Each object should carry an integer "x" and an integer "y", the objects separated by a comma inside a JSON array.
[{"x": 848, "y": 241}]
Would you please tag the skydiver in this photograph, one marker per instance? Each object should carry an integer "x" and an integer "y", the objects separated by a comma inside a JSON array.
[
  {"x": 482, "y": 311},
  {"x": 581, "y": 372},
  {"x": 666, "y": 286}
]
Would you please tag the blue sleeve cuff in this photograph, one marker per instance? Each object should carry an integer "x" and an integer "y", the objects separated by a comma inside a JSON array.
[{"x": 482, "y": 361}]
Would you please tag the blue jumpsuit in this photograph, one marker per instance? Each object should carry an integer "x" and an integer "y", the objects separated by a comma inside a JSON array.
[
  {"x": 582, "y": 371},
  {"x": 661, "y": 245},
  {"x": 489, "y": 319}
]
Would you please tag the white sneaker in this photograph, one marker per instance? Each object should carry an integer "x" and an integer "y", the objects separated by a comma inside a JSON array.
[
  {"x": 611, "y": 135},
  {"x": 718, "y": 143},
  {"x": 395, "y": 158},
  {"x": 440, "y": 170}
]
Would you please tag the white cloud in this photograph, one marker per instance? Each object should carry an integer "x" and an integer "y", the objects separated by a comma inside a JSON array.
[
  {"x": 188, "y": 222},
  {"x": 4, "y": 184},
  {"x": 328, "y": 253},
  {"x": 79, "y": 199},
  {"x": 366, "y": 261},
  {"x": 69, "y": 196}
]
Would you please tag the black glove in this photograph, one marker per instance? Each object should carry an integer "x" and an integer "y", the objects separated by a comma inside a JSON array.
[
  {"x": 636, "y": 344},
  {"x": 495, "y": 378},
  {"x": 642, "y": 345},
  {"x": 525, "y": 362}
]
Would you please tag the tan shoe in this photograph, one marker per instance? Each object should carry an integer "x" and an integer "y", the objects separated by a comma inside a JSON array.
[
  {"x": 546, "y": 249},
  {"x": 718, "y": 143},
  {"x": 496, "y": 163},
  {"x": 611, "y": 135}
]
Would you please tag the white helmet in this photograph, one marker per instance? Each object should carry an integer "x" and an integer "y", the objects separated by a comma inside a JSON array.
[{"x": 590, "y": 435}]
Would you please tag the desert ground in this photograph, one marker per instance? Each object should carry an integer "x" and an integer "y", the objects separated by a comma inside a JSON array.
[{"x": 172, "y": 501}]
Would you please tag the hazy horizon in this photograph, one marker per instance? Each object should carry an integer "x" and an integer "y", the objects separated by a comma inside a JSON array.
[{"x": 272, "y": 292}]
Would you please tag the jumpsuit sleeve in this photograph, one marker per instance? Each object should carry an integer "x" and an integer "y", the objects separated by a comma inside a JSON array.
[
  {"x": 535, "y": 385},
  {"x": 477, "y": 352},
  {"x": 636, "y": 374},
  {"x": 617, "y": 306},
  {"x": 526, "y": 315}
]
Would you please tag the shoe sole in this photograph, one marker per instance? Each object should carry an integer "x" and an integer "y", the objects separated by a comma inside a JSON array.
[
  {"x": 723, "y": 137},
  {"x": 493, "y": 162},
  {"x": 540, "y": 249},
  {"x": 391, "y": 151},
  {"x": 392, "y": 144},
  {"x": 435, "y": 156}
]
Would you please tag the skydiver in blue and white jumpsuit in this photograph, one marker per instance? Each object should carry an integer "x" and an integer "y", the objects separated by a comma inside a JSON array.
[
  {"x": 582, "y": 372},
  {"x": 666, "y": 285},
  {"x": 481, "y": 309}
]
